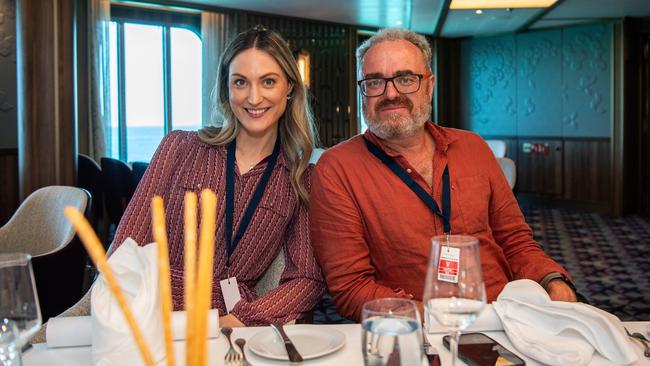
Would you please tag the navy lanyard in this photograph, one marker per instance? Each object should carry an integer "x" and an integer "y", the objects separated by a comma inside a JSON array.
[
  {"x": 231, "y": 243},
  {"x": 445, "y": 214}
]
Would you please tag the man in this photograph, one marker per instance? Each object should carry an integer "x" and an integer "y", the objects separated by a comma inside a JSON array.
[{"x": 371, "y": 233}]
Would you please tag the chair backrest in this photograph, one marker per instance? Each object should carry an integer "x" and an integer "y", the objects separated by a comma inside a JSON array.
[
  {"x": 89, "y": 177},
  {"x": 118, "y": 187},
  {"x": 498, "y": 148},
  {"x": 315, "y": 155},
  {"x": 39, "y": 227},
  {"x": 271, "y": 278},
  {"x": 509, "y": 170},
  {"x": 139, "y": 167}
]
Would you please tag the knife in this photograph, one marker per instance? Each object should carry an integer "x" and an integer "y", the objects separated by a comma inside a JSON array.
[
  {"x": 430, "y": 351},
  {"x": 292, "y": 352}
]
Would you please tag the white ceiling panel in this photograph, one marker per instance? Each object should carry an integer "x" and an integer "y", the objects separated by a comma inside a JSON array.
[
  {"x": 421, "y": 15},
  {"x": 416, "y": 15},
  {"x": 600, "y": 9},
  {"x": 466, "y": 23}
]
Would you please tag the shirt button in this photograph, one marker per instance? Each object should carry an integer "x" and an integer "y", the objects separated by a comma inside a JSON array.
[{"x": 408, "y": 171}]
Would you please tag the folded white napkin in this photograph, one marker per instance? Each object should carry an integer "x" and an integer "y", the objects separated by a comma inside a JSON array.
[
  {"x": 487, "y": 321},
  {"x": 76, "y": 331},
  {"x": 136, "y": 269},
  {"x": 557, "y": 332}
]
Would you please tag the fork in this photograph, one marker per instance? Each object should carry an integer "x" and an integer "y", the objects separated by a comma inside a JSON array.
[
  {"x": 232, "y": 356},
  {"x": 641, "y": 338},
  {"x": 241, "y": 342}
]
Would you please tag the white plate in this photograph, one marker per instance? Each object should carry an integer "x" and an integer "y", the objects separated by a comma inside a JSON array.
[{"x": 311, "y": 341}]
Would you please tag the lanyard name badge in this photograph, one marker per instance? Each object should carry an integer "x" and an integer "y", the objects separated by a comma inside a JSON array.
[
  {"x": 449, "y": 257},
  {"x": 229, "y": 287},
  {"x": 445, "y": 213}
]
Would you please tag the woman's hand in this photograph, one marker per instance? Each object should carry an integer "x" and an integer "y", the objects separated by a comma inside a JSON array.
[{"x": 230, "y": 321}]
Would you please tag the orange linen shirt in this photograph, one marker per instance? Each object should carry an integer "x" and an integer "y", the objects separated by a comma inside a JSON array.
[{"x": 371, "y": 234}]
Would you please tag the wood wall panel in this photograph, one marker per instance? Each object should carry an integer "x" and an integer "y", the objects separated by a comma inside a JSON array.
[
  {"x": 8, "y": 183},
  {"x": 46, "y": 109},
  {"x": 587, "y": 170},
  {"x": 329, "y": 46},
  {"x": 537, "y": 172}
]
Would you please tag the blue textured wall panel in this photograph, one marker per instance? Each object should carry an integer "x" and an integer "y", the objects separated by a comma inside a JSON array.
[
  {"x": 539, "y": 79},
  {"x": 586, "y": 88},
  {"x": 551, "y": 83},
  {"x": 488, "y": 86}
]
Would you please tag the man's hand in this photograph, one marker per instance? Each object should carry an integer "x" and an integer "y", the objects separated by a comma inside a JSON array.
[
  {"x": 558, "y": 290},
  {"x": 230, "y": 321}
]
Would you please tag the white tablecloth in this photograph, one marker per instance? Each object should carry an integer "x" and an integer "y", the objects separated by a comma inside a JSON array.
[{"x": 350, "y": 355}]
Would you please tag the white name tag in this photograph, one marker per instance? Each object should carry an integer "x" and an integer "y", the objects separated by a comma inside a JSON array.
[
  {"x": 230, "y": 292},
  {"x": 448, "y": 266}
]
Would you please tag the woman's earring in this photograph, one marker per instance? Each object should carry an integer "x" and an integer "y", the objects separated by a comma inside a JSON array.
[{"x": 288, "y": 97}]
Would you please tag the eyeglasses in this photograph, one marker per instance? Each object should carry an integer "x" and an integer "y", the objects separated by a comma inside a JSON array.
[{"x": 404, "y": 84}]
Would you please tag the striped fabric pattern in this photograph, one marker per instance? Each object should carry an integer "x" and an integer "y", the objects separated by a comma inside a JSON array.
[{"x": 184, "y": 163}]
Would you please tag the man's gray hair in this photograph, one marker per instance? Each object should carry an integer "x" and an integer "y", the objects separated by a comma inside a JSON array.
[{"x": 396, "y": 34}]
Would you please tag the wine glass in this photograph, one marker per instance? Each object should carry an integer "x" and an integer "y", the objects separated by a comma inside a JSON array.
[
  {"x": 391, "y": 333},
  {"x": 20, "y": 315},
  {"x": 454, "y": 292}
]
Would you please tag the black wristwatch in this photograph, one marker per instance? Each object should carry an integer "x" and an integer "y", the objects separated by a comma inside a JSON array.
[{"x": 557, "y": 276}]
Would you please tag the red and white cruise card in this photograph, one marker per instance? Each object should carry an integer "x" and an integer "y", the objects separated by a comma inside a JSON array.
[{"x": 448, "y": 267}]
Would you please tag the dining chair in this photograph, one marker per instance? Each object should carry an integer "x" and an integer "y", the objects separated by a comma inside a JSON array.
[
  {"x": 509, "y": 170},
  {"x": 40, "y": 229},
  {"x": 117, "y": 177},
  {"x": 139, "y": 168},
  {"x": 89, "y": 177},
  {"x": 498, "y": 148}
]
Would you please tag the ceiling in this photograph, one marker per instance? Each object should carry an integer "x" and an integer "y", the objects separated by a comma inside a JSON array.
[{"x": 433, "y": 16}]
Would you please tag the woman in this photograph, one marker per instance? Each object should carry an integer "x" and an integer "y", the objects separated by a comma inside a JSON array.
[{"x": 262, "y": 141}]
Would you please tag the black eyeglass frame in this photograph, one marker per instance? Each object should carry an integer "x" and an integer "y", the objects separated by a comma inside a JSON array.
[{"x": 386, "y": 80}]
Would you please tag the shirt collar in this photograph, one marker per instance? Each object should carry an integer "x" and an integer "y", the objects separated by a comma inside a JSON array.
[{"x": 442, "y": 138}]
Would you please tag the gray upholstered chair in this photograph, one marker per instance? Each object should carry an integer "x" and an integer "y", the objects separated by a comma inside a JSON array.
[
  {"x": 271, "y": 277},
  {"x": 40, "y": 229},
  {"x": 498, "y": 148},
  {"x": 509, "y": 170}
]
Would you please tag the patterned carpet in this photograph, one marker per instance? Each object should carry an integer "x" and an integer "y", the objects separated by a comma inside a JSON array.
[{"x": 609, "y": 258}]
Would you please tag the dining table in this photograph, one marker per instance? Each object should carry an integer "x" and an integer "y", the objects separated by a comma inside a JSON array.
[{"x": 349, "y": 355}]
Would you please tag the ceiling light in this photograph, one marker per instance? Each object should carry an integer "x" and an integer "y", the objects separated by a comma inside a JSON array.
[
  {"x": 479, "y": 11},
  {"x": 497, "y": 4}
]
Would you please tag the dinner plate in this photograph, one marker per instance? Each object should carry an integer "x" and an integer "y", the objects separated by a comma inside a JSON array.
[{"x": 310, "y": 341}]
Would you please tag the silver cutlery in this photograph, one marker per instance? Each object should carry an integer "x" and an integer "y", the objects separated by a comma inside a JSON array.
[
  {"x": 642, "y": 339},
  {"x": 429, "y": 351},
  {"x": 292, "y": 352},
  {"x": 241, "y": 342},
  {"x": 232, "y": 356}
]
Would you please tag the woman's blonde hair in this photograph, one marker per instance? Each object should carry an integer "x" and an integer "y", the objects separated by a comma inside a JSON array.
[{"x": 296, "y": 127}]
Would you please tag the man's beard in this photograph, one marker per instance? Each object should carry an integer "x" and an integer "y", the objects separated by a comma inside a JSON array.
[{"x": 394, "y": 125}]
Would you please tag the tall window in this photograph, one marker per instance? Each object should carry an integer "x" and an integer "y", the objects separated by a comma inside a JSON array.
[{"x": 155, "y": 78}]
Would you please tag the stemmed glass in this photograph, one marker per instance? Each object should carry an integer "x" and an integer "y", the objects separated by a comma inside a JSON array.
[
  {"x": 454, "y": 292},
  {"x": 20, "y": 315},
  {"x": 391, "y": 333}
]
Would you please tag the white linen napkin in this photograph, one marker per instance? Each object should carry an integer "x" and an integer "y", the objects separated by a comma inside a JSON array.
[
  {"x": 76, "y": 331},
  {"x": 557, "y": 332},
  {"x": 136, "y": 269}
]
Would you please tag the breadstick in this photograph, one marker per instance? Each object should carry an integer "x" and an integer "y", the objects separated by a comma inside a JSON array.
[
  {"x": 98, "y": 255},
  {"x": 204, "y": 282},
  {"x": 160, "y": 236},
  {"x": 190, "y": 276}
]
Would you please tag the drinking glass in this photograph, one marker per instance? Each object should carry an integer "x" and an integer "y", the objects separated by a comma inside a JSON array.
[
  {"x": 20, "y": 315},
  {"x": 391, "y": 333},
  {"x": 454, "y": 292}
]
